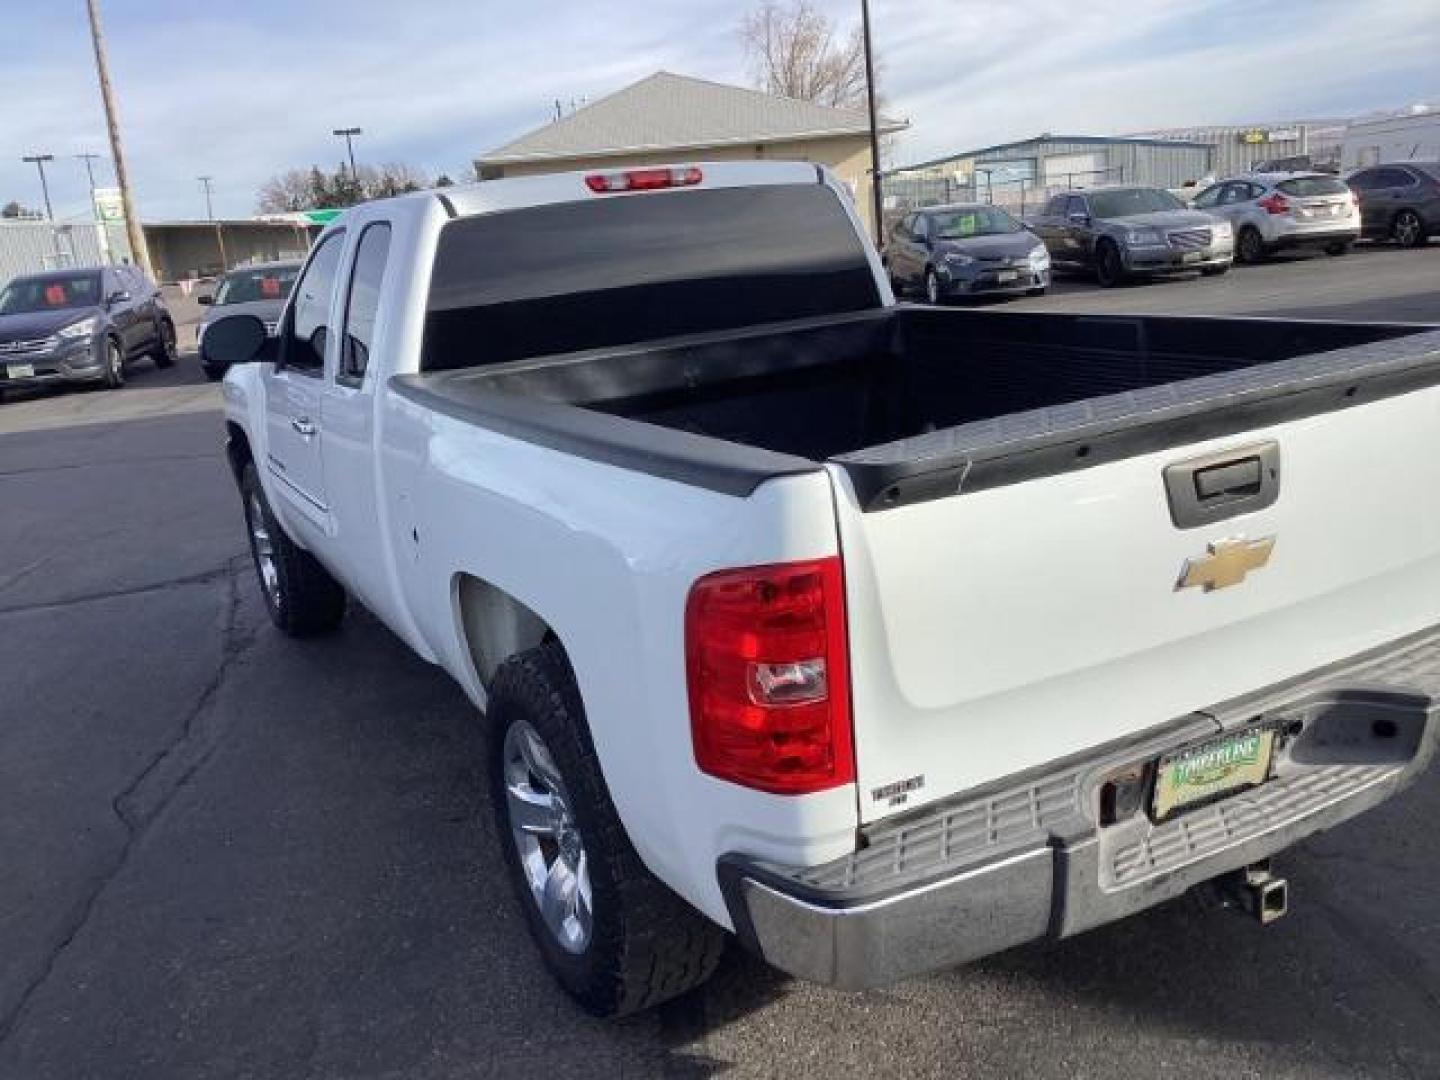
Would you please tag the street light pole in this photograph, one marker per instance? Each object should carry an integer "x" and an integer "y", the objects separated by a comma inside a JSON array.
[
  {"x": 117, "y": 154},
  {"x": 348, "y": 134},
  {"x": 875, "y": 179},
  {"x": 206, "y": 181},
  {"x": 39, "y": 160}
]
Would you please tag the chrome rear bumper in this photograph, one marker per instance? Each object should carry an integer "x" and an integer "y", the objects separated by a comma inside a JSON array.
[{"x": 1030, "y": 859}]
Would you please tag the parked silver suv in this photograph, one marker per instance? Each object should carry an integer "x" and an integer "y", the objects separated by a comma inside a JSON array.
[{"x": 1271, "y": 211}]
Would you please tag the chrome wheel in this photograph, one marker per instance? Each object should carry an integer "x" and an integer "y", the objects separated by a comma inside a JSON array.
[
  {"x": 932, "y": 287},
  {"x": 547, "y": 839},
  {"x": 1407, "y": 228},
  {"x": 114, "y": 365},
  {"x": 262, "y": 546}
]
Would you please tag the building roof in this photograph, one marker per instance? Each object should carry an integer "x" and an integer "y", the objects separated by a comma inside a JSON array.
[
  {"x": 677, "y": 112},
  {"x": 1082, "y": 140}
]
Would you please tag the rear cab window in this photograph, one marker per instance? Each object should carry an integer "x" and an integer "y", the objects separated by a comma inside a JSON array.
[{"x": 624, "y": 269}]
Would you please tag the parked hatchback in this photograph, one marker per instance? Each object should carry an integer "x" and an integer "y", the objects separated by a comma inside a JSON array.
[
  {"x": 1271, "y": 212},
  {"x": 1399, "y": 202},
  {"x": 81, "y": 326},
  {"x": 1120, "y": 232},
  {"x": 260, "y": 290},
  {"x": 969, "y": 249}
]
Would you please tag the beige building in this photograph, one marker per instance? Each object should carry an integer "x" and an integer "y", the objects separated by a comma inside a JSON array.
[{"x": 673, "y": 119}]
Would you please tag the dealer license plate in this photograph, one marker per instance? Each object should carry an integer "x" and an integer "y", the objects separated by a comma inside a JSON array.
[
  {"x": 1219, "y": 767},
  {"x": 1004, "y": 277},
  {"x": 20, "y": 371},
  {"x": 1192, "y": 256}
]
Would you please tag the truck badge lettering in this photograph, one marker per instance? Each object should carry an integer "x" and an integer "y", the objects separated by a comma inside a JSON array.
[{"x": 898, "y": 793}]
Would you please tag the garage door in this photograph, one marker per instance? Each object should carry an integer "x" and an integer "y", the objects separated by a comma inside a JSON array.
[{"x": 1074, "y": 170}]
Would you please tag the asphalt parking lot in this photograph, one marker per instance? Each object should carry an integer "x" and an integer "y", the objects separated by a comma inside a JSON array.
[{"x": 229, "y": 854}]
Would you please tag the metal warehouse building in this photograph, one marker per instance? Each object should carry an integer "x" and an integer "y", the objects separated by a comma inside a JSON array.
[
  {"x": 1238, "y": 147},
  {"x": 1020, "y": 175}
]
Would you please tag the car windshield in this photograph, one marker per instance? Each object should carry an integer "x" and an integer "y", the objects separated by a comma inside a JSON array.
[
  {"x": 50, "y": 294},
  {"x": 246, "y": 286},
  {"x": 1303, "y": 186},
  {"x": 974, "y": 221},
  {"x": 1123, "y": 203}
]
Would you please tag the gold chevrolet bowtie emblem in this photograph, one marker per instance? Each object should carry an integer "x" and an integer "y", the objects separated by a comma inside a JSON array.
[{"x": 1226, "y": 564}]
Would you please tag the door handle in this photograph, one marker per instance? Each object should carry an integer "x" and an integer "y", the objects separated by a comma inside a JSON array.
[{"x": 304, "y": 426}]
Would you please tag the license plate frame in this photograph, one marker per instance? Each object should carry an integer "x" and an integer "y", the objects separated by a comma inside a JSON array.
[
  {"x": 1006, "y": 277},
  {"x": 1216, "y": 768},
  {"x": 1192, "y": 257},
  {"x": 19, "y": 371}
]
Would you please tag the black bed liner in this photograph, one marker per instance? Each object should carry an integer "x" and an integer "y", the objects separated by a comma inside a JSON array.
[{"x": 1065, "y": 392}]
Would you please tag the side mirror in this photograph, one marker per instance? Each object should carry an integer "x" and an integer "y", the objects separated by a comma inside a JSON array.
[
  {"x": 205, "y": 299},
  {"x": 240, "y": 339},
  {"x": 118, "y": 297}
]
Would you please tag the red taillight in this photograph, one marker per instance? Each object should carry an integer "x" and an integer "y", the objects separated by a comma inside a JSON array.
[
  {"x": 643, "y": 180},
  {"x": 766, "y": 659},
  {"x": 1275, "y": 203}
]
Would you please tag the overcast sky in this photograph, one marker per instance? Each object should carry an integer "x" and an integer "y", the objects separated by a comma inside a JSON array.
[{"x": 241, "y": 90}]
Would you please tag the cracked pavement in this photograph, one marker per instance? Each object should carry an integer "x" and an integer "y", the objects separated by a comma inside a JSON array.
[{"x": 226, "y": 854}]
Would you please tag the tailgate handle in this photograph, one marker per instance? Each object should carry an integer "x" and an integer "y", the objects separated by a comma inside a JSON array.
[{"x": 1215, "y": 487}]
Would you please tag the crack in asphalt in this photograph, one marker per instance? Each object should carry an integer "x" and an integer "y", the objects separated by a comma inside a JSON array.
[
  {"x": 201, "y": 578},
  {"x": 110, "y": 463},
  {"x": 156, "y": 785}
]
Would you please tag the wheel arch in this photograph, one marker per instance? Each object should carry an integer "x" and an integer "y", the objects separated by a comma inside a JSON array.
[
  {"x": 237, "y": 448},
  {"x": 495, "y": 625}
]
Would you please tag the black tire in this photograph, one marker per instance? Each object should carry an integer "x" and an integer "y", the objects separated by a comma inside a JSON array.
[
  {"x": 213, "y": 375},
  {"x": 1250, "y": 246},
  {"x": 1035, "y": 292},
  {"x": 1214, "y": 271},
  {"x": 302, "y": 598},
  {"x": 933, "y": 295},
  {"x": 165, "y": 351},
  {"x": 1340, "y": 247},
  {"x": 645, "y": 945},
  {"x": 1109, "y": 266},
  {"x": 1407, "y": 229},
  {"x": 114, "y": 364}
]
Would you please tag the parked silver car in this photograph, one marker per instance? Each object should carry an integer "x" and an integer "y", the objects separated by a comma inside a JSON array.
[{"x": 1273, "y": 211}]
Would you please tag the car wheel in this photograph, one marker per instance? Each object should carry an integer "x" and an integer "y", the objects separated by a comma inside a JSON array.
[
  {"x": 1250, "y": 245},
  {"x": 1035, "y": 292},
  {"x": 933, "y": 293},
  {"x": 114, "y": 364},
  {"x": 164, "y": 352},
  {"x": 1214, "y": 271},
  {"x": 1408, "y": 230},
  {"x": 609, "y": 931},
  {"x": 301, "y": 596},
  {"x": 1109, "y": 267},
  {"x": 213, "y": 375}
]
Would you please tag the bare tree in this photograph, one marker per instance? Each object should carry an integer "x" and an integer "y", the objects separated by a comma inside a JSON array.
[
  {"x": 287, "y": 192},
  {"x": 392, "y": 178},
  {"x": 793, "y": 50}
]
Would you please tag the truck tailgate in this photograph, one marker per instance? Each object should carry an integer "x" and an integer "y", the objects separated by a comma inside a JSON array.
[{"x": 999, "y": 629}]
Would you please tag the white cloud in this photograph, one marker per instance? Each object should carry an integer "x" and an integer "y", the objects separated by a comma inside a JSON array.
[{"x": 228, "y": 91}]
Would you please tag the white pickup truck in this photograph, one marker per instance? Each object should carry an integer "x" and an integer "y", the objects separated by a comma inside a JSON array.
[{"x": 883, "y": 637}]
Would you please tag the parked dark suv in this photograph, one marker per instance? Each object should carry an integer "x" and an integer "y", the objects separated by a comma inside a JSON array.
[
  {"x": 81, "y": 326},
  {"x": 1399, "y": 202}
]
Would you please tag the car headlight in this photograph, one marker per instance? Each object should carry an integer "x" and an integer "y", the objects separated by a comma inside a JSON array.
[
  {"x": 1146, "y": 237},
  {"x": 1039, "y": 257},
  {"x": 83, "y": 328},
  {"x": 958, "y": 258},
  {"x": 1221, "y": 230}
]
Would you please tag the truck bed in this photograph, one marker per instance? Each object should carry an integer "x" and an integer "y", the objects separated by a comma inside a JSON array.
[{"x": 920, "y": 403}]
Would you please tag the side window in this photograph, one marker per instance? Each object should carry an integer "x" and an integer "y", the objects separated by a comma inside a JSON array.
[
  {"x": 903, "y": 226},
  {"x": 1235, "y": 193},
  {"x": 1075, "y": 205},
  {"x": 304, "y": 345},
  {"x": 921, "y": 228},
  {"x": 1209, "y": 197},
  {"x": 1362, "y": 181},
  {"x": 1056, "y": 207},
  {"x": 364, "y": 301}
]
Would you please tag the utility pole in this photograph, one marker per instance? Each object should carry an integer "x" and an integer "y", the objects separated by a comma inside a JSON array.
[
  {"x": 205, "y": 182},
  {"x": 348, "y": 134},
  {"x": 879, "y": 203},
  {"x": 39, "y": 160},
  {"x": 112, "y": 122},
  {"x": 90, "y": 160}
]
